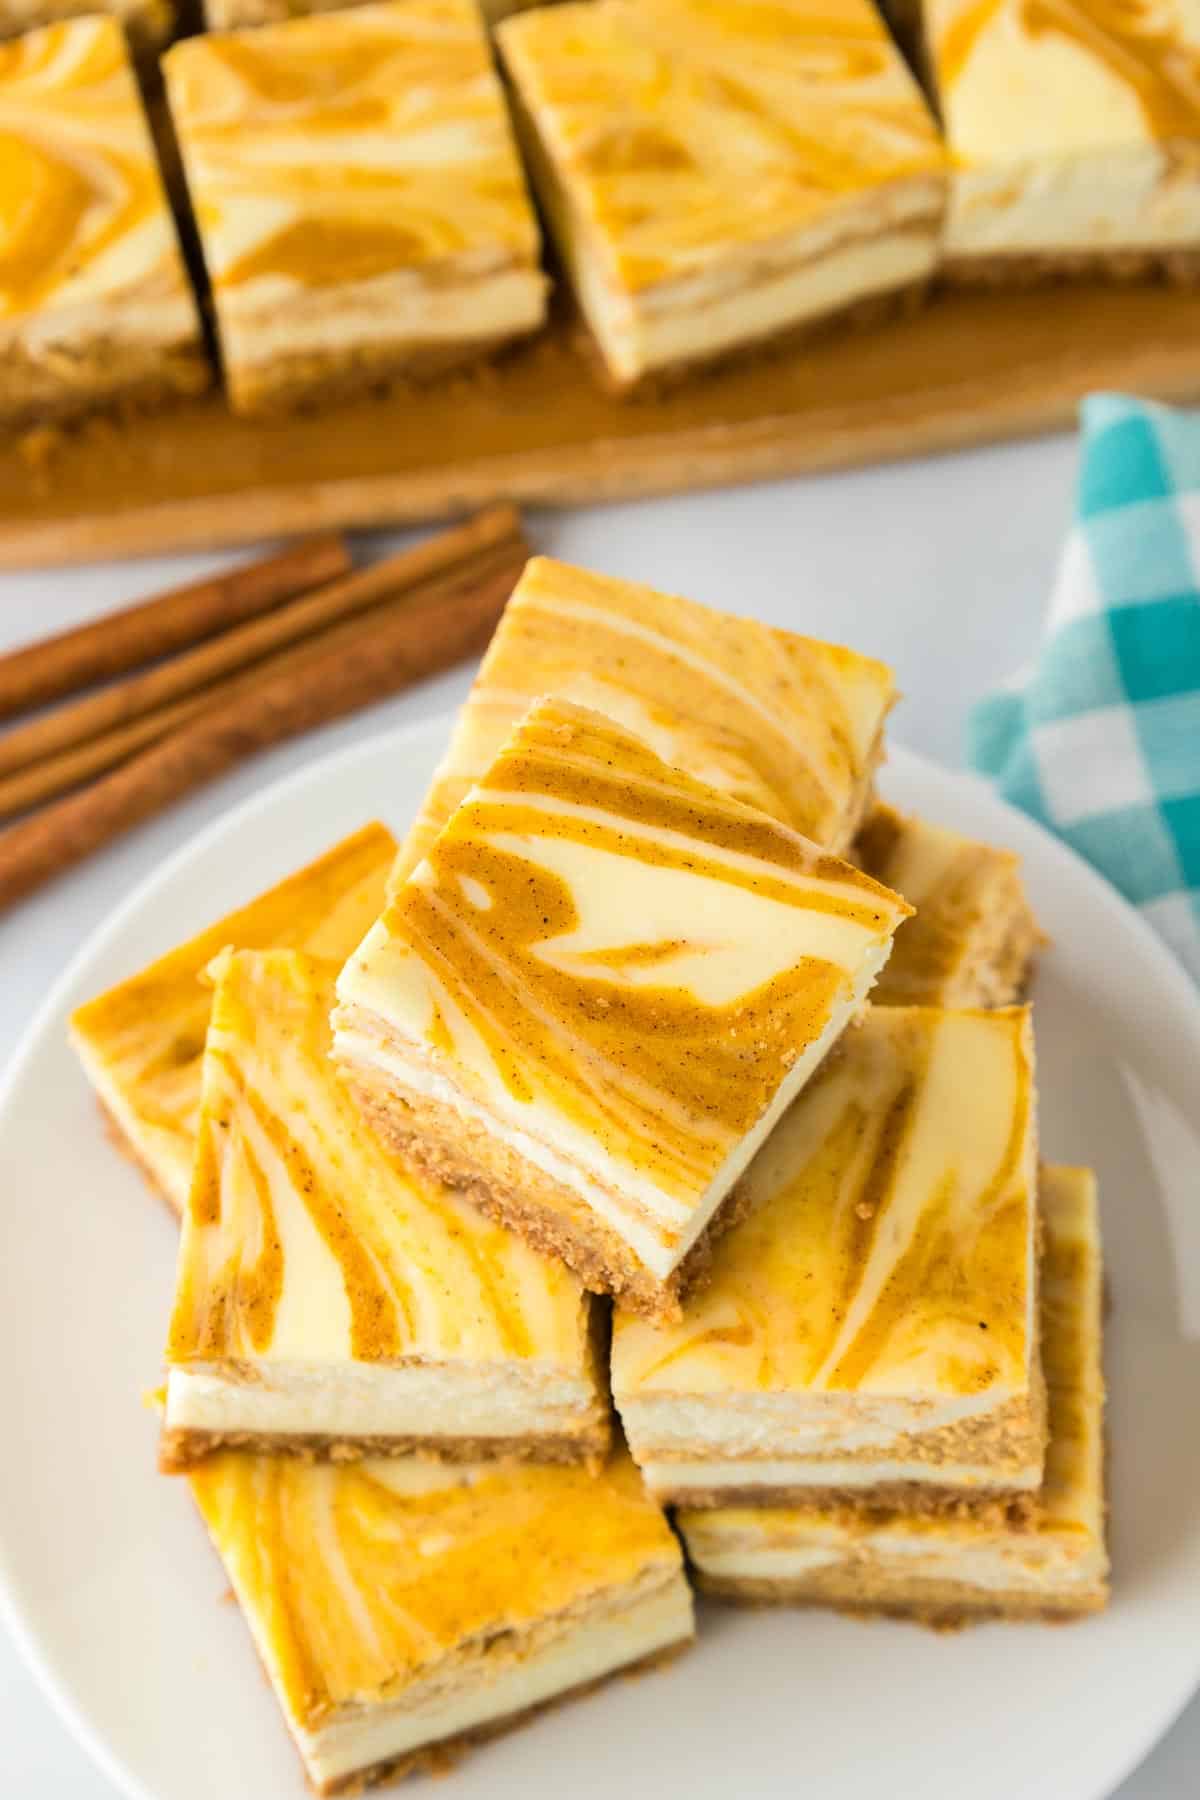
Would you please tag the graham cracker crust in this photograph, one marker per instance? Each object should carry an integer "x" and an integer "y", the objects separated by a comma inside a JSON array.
[
  {"x": 1003, "y": 977},
  {"x": 1178, "y": 268},
  {"x": 182, "y": 1448},
  {"x": 514, "y": 1193},
  {"x": 997, "y": 1506},
  {"x": 439, "y": 1759},
  {"x": 936, "y": 1605},
  {"x": 304, "y": 380},
  {"x": 60, "y": 384}
]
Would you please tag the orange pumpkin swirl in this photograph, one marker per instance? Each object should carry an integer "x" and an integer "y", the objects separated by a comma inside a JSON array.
[
  {"x": 620, "y": 962},
  {"x": 141, "y": 1042},
  {"x": 782, "y": 722}
]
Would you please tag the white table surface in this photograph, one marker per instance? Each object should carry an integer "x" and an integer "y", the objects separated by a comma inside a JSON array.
[{"x": 941, "y": 567}]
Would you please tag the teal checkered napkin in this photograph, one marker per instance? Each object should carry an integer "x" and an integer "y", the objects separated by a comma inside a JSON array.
[{"x": 1100, "y": 739}]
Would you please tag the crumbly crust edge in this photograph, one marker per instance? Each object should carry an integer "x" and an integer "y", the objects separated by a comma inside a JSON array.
[
  {"x": 511, "y": 1191},
  {"x": 939, "y": 1606},
  {"x": 183, "y": 1448}
]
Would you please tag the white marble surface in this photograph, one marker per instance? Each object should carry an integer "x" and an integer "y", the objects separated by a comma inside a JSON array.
[{"x": 941, "y": 567}]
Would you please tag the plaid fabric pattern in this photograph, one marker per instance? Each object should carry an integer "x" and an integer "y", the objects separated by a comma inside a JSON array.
[{"x": 1100, "y": 739}]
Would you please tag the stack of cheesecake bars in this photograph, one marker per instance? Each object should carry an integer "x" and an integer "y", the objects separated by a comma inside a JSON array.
[{"x": 625, "y": 1141}]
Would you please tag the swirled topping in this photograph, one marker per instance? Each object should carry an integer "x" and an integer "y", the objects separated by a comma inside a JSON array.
[
  {"x": 142, "y": 1041},
  {"x": 1060, "y": 1543},
  {"x": 890, "y": 1243},
  {"x": 782, "y": 722},
  {"x": 361, "y": 1580},
  {"x": 1065, "y": 74},
  {"x": 306, "y": 1240},
  {"x": 599, "y": 946},
  {"x": 681, "y": 128},
  {"x": 333, "y": 149},
  {"x": 83, "y": 215}
]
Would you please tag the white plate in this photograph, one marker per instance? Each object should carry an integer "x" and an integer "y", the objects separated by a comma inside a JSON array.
[{"x": 117, "y": 1599}]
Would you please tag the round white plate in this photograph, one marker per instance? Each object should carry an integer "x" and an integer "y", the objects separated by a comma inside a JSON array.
[{"x": 118, "y": 1600}]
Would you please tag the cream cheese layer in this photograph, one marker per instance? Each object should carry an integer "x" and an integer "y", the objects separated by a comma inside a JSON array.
[
  {"x": 782, "y": 722},
  {"x": 608, "y": 957},
  {"x": 686, "y": 145},
  {"x": 398, "y": 1602},
  {"x": 85, "y": 231},
  {"x": 1055, "y": 1550},
  {"x": 1072, "y": 124},
  {"x": 309, "y": 1250},
  {"x": 881, "y": 1290},
  {"x": 142, "y": 1041}
]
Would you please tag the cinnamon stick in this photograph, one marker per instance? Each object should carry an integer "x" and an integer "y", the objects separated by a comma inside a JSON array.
[
  {"x": 355, "y": 665},
  {"x": 55, "y": 775},
  {"x": 152, "y": 628},
  {"x": 496, "y": 529}
]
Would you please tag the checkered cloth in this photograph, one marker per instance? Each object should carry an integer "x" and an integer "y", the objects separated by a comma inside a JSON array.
[{"x": 1100, "y": 739}]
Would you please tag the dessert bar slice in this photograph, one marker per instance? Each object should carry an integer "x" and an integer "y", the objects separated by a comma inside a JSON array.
[
  {"x": 95, "y": 304},
  {"x": 1045, "y": 1562},
  {"x": 331, "y": 1300},
  {"x": 786, "y": 723},
  {"x": 868, "y": 1333},
  {"x": 403, "y": 1610},
  {"x": 1074, "y": 137},
  {"x": 974, "y": 936},
  {"x": 358, "y": 196},
  {"x": 142, "y": 1041},
  {"x": 720, "y": 173},
  {"x": 599, "y": 992}
]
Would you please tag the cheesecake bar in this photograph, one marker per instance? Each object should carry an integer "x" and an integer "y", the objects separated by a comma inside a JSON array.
[
  {"x": 868, "y": 1332},
  {"x": 782, "y": 722},
  {"x": 95, "y": 304},
  {"x": 598, "y": 993},
  {"x": 974, "y": 936},
  {"x": 359, "y": 199},
  {"x": 718, "y": 174},
  {"x": 403, "y": 1610},
  {"x": 1074, "y": 137},
  {"x": 150, "y": 23},
  {"x": 1048, "y": 1562},
  {"x": 330, "y": 1300},
  {"x": 141, "y": 1042}
]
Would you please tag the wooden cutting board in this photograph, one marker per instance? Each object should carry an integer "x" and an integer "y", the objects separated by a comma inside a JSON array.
[{"x": 539, "y": 428}]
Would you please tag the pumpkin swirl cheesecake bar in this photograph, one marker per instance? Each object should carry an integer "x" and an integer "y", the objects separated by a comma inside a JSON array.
[
  {"x": 1047, "y": 1560},
  {"x": 332, "y": 1300},
  {"x": 359, "y": 199},
  {"x": 868, "y": 1333},
  {"x": 1074, "y": 135},
  {"x": 141, "y": 1042},
  {"x": 599, "y": 992},
  {"x": 96, "y": 309},
  {"x": 405, "y": 1610},
  {"x": 785, "y": 723},
  {"x": 719, "y": 174},
  {"x": 973, "y": 938}
]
